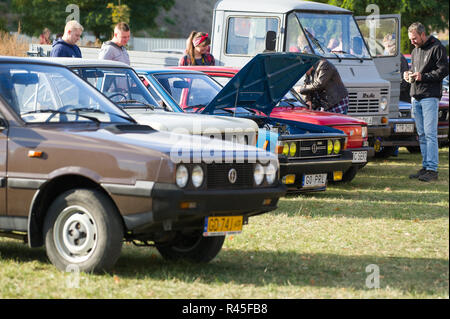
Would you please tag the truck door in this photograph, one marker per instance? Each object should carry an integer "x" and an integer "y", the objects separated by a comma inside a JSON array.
[
  {"x": 383, "y": 40},
  {"x": 245, "y": 36},
  {"x": 3, "y": 152}
]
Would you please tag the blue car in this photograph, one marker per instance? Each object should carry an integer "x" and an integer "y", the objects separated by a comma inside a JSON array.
[{"x": 309, "y": 154}]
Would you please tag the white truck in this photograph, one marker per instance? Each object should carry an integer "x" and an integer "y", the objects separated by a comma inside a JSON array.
[{"x": 242, "y": 29}]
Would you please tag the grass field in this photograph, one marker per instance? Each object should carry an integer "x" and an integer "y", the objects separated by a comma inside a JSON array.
[{"x": 313, "y": 246}]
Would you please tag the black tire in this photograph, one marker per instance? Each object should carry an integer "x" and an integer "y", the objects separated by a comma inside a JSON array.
[
  {"x": 191, "y": 247},
  {"x": 350, "y": 174},
  {"x": 413, "y": 149},
  {"x": 385, "y": 152},
  {"x": 83, "y": 229}
]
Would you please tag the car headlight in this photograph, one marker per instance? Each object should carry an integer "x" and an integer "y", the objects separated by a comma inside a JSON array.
[
  {"x": 337, "y": 146},
  {"x": 383, "y": 103},
  {"x": 182, "y": 176},
  {"x": 258, "y": 174},
  {"x": 330, "y": 147},
  {"x": 286, "y": 149},
  {"x": 293, "y": 149},
  {"x": 271, "y": 173},
  {"x": 364, "y": 132},
  {"x": 197, "y": 176}
]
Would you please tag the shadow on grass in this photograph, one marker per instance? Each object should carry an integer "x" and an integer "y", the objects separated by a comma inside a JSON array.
[
  {"x": 261, "y": 268},
  {"x": 426, "y": 276}
]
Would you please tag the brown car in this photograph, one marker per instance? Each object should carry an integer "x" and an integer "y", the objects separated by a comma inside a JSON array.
[{"x": 79, "y": 175}]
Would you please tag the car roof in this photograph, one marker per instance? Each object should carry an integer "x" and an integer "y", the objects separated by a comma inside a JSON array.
[
  {"x": 14, "y": 59},
  {"x": 77, "y": 62},
  {"x": 168, "y": 70},
  {"x": 279, "y": 6}
]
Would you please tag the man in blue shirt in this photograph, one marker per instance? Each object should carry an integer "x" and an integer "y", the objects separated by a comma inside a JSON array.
[{"x": 66, "y": 46}]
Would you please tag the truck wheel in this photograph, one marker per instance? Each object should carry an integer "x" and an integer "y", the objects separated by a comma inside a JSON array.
[
  {"x": 83, "y": 230},
  {"x": 192, "y": 247}
]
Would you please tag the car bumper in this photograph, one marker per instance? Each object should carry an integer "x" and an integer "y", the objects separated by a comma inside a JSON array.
[
  {"x": 171, "y": 203},
  {"x": 378, "y": 131},
  {"x": 397, "y": 138},
  {"x": 301, "y": 168},
  {"x": 358, "y": 163}
]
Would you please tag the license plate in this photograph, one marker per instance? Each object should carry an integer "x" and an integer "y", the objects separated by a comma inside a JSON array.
[
  {"x": 222, "y": 225},
  {"x": 359, "y": 157},
  {"x": 367, "y": 119},
  {"x": 314, "y": 180},
  {"x": 404, "y": 128}
]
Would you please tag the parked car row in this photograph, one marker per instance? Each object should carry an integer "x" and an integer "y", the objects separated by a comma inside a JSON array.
[{"x": 93, "y": 152}]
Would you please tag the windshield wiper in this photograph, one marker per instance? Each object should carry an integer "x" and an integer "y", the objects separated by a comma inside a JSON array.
[
  {"x": 90, "y": 109},
  {"x": 61, "y": 112},
  {"x": 151, "y": 107},
  {"x": 345, "y": 52},
  {"x": 315, "y": 41}
]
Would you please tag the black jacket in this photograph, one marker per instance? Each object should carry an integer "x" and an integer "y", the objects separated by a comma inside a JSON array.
[
  {"x": 324, "y": 87},
  {"x": 431, "y": 61}
]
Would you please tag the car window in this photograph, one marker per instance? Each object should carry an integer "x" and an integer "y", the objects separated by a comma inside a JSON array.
[
  {"x": 189, "y": 89},
  {"x": 247, "y": 35},
  {"x": 118, "y": 84},
  {"x": 44, "y": 93}
]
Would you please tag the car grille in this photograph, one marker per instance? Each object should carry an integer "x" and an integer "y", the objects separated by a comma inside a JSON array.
[
  {"x": 217, "y": 175},
  {"x": 312, "y": 148},
  {"x": 366, "y": 100}
]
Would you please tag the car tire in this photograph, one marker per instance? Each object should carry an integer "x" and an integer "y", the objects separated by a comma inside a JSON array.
[
  {"x": 350, "y": 174},
  {"x": 193, "y": 247},
  {"x": 83, "y": 231},
  {"x": 413, "y": 149}
]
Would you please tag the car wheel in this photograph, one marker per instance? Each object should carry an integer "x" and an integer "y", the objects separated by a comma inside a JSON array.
[
  {"x": 193, "y": 247},
  {"x": 83, "y": 229},
  {"x": 413, "y": 149},
  {"x": 350, "y": 174}
]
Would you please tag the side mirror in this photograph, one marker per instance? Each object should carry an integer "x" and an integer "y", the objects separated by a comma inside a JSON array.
[
  {"x": 2, "y": 124},
  {"x": 271, "y": 40}
]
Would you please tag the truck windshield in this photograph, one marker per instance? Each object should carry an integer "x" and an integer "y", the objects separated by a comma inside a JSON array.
[{"x": 329, "y": 35}]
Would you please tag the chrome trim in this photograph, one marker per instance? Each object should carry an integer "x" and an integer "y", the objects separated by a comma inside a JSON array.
[
  {"x": 25, "y": 183},
  {"x": 141, "y": 189}
]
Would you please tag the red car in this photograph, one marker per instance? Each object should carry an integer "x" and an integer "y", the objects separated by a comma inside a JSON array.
[{"x": 291, "y": 108}]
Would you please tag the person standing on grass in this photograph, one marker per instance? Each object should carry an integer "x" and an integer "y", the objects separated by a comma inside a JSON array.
[
  {"x": 197, "y": 50},
  {"x": 115, "y": 49},
  {"x": 66, "y": 46},
  {"x": 429, "y": 67}
]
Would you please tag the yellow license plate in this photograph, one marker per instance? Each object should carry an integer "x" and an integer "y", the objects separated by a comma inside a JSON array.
[{"x": 222, "y": 225}]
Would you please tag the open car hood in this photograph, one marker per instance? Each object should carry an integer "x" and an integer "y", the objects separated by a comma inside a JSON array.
[{"x": 263, "y": 81}]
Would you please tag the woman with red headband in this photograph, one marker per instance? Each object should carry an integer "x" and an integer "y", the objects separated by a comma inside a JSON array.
[{"x": 197, "y": 50}]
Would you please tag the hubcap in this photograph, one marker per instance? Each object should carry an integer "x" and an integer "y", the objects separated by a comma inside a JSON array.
[{"x": 75, "y": 234}]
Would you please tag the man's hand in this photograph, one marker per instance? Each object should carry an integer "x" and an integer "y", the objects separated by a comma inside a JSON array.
[
  {"x": 417, "y": 75},
  {"x": 406, "y": 76}
]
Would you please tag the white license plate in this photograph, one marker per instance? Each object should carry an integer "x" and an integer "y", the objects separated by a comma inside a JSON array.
[
  {"x": 404, "y": 128},
  {"x": 314, "y": 180},
  {"x": 359, "y": 157},
  {"x": 367, "y": 119}
]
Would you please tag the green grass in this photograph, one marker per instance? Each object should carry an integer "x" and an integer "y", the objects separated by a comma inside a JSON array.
[{"x": 316, "y": 245}]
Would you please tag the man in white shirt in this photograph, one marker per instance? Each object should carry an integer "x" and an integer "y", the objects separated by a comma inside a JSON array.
[{"x": 115, "y": 49}]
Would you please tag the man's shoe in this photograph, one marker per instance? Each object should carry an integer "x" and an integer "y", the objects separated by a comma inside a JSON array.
[
  {"x": 428, "y": 176},
  {"x": 419, "y": 173}
]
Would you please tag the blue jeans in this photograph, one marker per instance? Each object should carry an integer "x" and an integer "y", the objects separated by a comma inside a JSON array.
[{"x": 425, "y": 113}]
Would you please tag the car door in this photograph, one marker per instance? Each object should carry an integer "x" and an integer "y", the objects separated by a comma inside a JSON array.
[
  {"x": 3, "y": 153},
  {"x": 383, "y": 40}
]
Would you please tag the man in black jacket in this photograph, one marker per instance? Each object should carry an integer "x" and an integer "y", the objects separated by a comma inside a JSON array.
[{"x": 429, "y": 67}]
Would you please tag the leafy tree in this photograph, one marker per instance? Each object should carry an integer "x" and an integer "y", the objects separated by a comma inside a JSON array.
[
  {"x": 433, "y": 14},
  {"x": 95, "y": 15}
]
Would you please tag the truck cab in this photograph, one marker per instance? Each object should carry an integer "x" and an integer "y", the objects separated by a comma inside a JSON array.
[{"x": 244, "y": 29}]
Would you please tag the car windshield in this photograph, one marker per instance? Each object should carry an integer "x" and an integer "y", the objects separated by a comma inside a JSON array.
[
  {"x": 328, "y": 35},
  {"x": 189, "y": 90},
  {"x": 46, "y": 93},
  {"x": 120, "y": 85}
]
